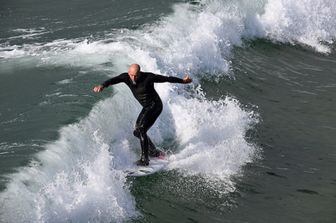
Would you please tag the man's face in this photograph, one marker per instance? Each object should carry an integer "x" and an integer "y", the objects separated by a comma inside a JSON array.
[{"x": 133, "y": 73}]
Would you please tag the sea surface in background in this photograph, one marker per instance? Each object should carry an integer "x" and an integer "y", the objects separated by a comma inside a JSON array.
[{"x": 251, "y": 140}]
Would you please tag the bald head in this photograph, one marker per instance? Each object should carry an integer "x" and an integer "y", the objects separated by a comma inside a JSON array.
[
  {"x": 134, "y": 71},
  {"x": 134, "y": 68}
]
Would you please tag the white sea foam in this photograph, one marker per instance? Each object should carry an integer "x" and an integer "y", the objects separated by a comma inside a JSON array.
[
  {"x": 65, "y": 81},
  {"x": 308, "y": 22},
  {"x": 79, "y": 177},
  {"x": 28, "y": 33},
  {"x": 211, "y": 136}
]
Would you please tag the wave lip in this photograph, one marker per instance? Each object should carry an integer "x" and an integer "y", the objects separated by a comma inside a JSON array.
[
  {"x": 308, "y": 22},
  {"x": 213, "y": 137}
]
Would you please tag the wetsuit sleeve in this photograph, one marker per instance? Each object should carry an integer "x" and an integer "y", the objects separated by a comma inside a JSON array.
[
  {"x": 160, "y": 79},
  {"x": 114, "y": 80}
]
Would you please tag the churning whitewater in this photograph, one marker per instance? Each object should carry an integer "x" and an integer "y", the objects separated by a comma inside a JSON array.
[{"x": 80, "y": 178}]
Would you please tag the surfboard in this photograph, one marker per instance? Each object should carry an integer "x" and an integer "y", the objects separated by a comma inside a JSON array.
[{"x": 155, "y": 164}]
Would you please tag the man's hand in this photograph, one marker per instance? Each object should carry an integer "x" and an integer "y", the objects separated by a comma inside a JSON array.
[
  {"x": 187, "y": 79},
  {"x": 98, "y": 88}
]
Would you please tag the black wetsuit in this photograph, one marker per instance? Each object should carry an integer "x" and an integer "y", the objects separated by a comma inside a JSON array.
[{"x": 143, "y": 90}]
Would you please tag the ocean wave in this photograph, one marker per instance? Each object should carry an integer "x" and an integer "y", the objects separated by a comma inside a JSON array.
[
  {"x": 80, "y": 177},
  {"x": 307, "y": 22},
  {"x": 201, "y": 35},
  {"x": 77, "y": 178}
]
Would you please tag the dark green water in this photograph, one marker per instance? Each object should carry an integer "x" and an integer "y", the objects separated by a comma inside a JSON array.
[
  {"x": 277, "y": 169},
  {"x": 295, "y": 93}
]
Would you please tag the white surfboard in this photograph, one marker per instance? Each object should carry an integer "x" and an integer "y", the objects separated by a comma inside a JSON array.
[{"x": 155, "y": 164}]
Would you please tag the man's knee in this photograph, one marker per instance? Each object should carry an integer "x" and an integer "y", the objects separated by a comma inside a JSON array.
[
  {"x": 136, "y": 133},
  {"x": 139, "y": 131}
]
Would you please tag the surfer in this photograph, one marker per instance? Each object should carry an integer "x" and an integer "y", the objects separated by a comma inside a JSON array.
[{"x": 142, "y": 87}]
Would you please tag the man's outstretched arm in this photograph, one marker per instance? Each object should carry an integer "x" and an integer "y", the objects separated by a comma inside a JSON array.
[
  {"x": 114, "y": 80},
  {"x": 160, "y": 79}
]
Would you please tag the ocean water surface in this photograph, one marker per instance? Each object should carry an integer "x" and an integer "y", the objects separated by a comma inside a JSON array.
[{"x": 251, "y": 140}]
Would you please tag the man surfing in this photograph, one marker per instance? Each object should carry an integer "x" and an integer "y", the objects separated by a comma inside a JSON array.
[{"x": 142, "y": 87}]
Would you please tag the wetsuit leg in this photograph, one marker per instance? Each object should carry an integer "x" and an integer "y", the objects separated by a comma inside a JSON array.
[
  {"x": 151, "y": 147},
  {"x": 146, "y": 119}
]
